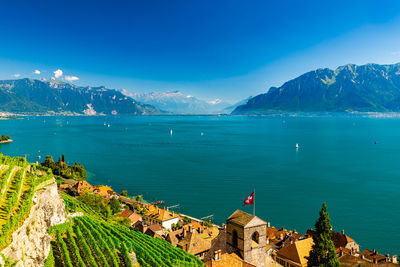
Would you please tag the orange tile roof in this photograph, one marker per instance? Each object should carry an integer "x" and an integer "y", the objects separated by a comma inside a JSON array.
[
  {"x": 126, "y": 213},
  {"x": 297, "y": 251},
  {"x": 373, "y": 255},
  {"x": 227, "y": 260},
  {"x": 159, "y": 214},
  {"x": 133, "y": 217},
  {"x": 210, "y": 233},
  {"x": 103, "y": 188},
  {"x": 174, "y": 236},
  {"x": 81, "y": 186},
  {"x": 194, "y": 244}
]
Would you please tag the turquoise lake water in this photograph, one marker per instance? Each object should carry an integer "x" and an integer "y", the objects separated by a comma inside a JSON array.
[{"x": 211, "y": 173}]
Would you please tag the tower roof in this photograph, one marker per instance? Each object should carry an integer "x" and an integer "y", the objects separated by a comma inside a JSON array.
[{"x": 245, "y": 219}]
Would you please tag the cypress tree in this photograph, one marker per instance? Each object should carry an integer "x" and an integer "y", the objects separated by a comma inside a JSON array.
[{"x": 323, "y": 252}]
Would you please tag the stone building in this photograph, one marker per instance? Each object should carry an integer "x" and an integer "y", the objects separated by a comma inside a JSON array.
[{"x": 246, "y": 236}]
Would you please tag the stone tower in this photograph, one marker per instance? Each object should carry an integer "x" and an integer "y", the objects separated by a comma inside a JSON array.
[{"x": 246, "y": 236}]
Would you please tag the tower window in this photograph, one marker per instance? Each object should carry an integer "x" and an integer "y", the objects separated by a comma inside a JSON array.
[
  {"x": 256, "y": 237},
  {"x": 235, "y": 238}
]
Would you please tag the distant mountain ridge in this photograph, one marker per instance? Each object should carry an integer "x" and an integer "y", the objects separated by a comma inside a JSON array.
[
  {"x": 365, "y": 88},
  {"x": 178, "y": 103},
  {"x": 34, "y": 96}
]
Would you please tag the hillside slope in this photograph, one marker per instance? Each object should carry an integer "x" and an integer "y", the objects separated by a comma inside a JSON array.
[
  {"x": 90, "y": 240},
  {"x": 34, "y": 96},
  {"x": 366, "y": 88},
  {"x": 29, "y": 204}
]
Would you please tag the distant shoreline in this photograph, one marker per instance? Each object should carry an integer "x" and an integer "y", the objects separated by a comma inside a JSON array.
[
  {"x": 269, "y": 114},
  {"x": 6, "y": 141}
]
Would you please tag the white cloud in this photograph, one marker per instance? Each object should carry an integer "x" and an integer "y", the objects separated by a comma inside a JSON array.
[
  {"x": 71, "y": 78},
  {"x": 37, "y": 72},
  {"x": 16, "y": 75},
  {"x": 58, "y": 73}
]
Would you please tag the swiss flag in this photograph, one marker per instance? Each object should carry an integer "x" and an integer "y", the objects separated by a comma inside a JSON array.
[{"x": 249, "y": 200}]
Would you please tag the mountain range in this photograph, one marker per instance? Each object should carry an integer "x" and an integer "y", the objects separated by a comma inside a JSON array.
[
  {"x": 178, "y": 103},
  {"x": 349, "y": 88},
  {"x": 40, "y": 97}
]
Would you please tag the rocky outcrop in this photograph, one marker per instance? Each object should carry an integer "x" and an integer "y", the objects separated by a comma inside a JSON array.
[
  {"x": 31, "y": 243},
  {"x": 132, "y": 255}
]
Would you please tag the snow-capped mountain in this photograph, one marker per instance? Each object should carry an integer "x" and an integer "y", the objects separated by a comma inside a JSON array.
[{"x": 178, "y": 103}]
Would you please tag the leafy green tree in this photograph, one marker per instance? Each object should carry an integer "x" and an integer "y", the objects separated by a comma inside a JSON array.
[
  {"x": 63, "y": 158},
  {"x": 207, "y": 223},
  {"x": 139, "y": 198},
  {"x": 187, "y": 220},
  {"x": 124, "y": 193},
  {"x": 107, "y": 212},
  {"x": 97, "y": 203},
  {"x": 323, "y": 251},
  {"x": 115, "y": 205}
]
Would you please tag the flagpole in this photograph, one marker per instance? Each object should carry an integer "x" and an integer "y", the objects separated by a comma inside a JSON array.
[{"x": 254, "y": 204}]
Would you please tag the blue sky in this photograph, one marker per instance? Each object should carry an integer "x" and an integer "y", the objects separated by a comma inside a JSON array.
[{"x": 210, "y": 49}]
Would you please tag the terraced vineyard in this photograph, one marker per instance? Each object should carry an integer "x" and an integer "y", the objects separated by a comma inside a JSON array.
[
  {"x": 18, "y": 182},
  {"x": 89, "y": 242}
]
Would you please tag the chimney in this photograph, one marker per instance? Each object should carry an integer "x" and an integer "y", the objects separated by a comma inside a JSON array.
[
  {"x": 268, "y": 224},
  {"x": 342, "y": 232},
  {"x": 217, "y": 255}
]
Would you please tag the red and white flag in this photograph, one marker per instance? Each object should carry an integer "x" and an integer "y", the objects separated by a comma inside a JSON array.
[{"x": 249, "y": 200}]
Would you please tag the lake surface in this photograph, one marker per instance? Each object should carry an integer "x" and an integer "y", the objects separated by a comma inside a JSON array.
[{"x": 210, "y": 164}]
